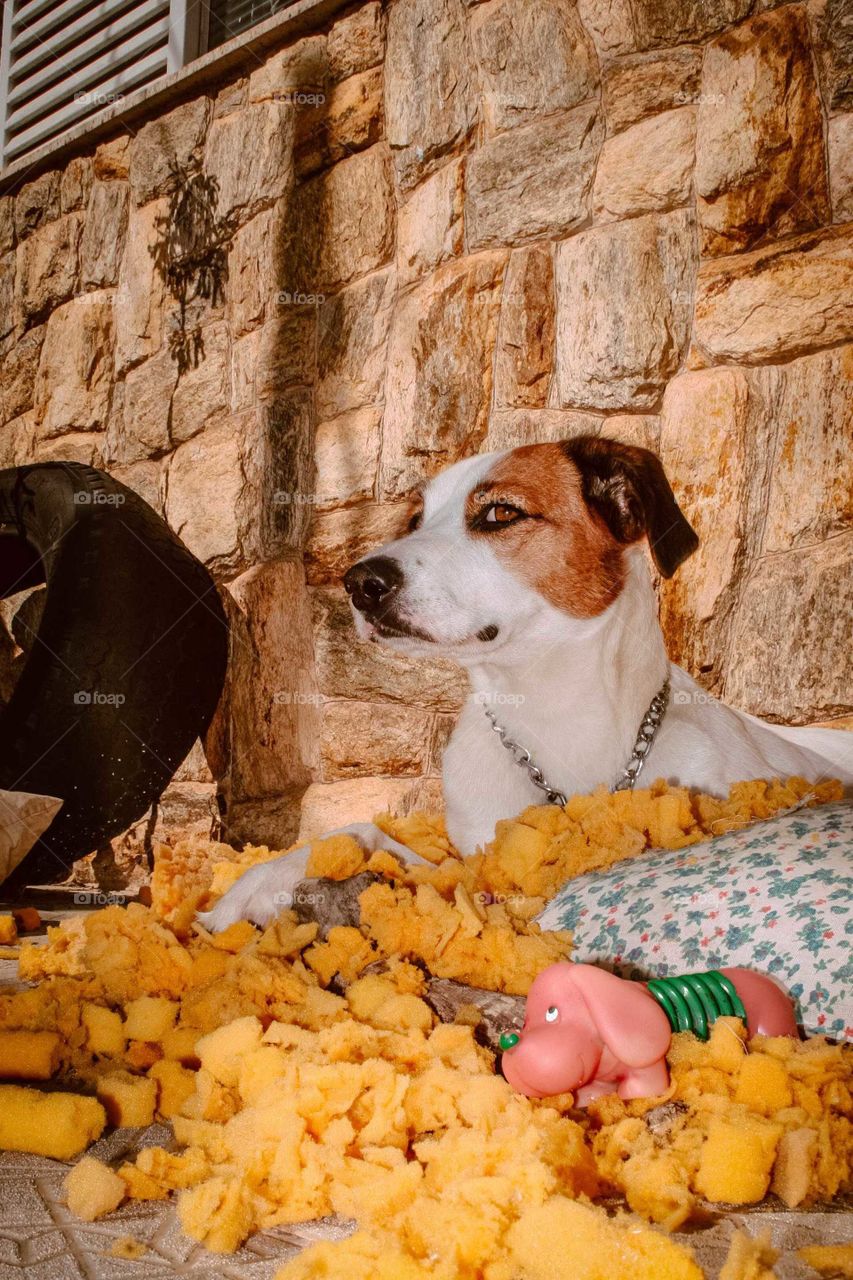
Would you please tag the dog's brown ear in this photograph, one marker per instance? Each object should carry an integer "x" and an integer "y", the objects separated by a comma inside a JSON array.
[{"x": 627, "y": 487}]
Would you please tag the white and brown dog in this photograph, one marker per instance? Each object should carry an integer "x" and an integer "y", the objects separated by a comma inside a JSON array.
[{"x": 526, "y": 568}]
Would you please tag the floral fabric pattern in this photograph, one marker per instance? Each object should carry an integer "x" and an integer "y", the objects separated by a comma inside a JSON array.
[{"x": 775, "y": 897}]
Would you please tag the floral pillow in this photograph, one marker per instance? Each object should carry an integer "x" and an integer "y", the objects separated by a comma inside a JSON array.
[{"x": 775, "y": 897}]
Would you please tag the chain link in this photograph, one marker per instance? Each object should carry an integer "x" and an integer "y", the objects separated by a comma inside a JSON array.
[{"x": 643, "y": 745}]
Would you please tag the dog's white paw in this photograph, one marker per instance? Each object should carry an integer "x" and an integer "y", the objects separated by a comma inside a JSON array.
[{"x": 263, "y": 892}]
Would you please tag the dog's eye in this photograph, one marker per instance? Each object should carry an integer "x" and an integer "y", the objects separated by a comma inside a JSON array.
[
  {"x": 501, "y": 513},
  {"x": 415, "y": 522},
  {"x": 552, "y": 1014}
]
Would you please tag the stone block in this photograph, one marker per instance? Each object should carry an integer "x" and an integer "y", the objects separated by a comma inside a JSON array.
[
  {"x": 642, "y": 84},
  {"x": 341, "y": 224},
  {"x": 103, "y": 238},
  {"x": 139, "y": 424},
  {"x": 360, "y": 739},
  {"x": 534, "y": 58},
  {"x": 327, "y": 805},
  {"x": 204, "y": 495},
  {"x": 430, "y": 223},
  {"x": 839, "y": 145},
  {"x": 203, "y": 393},
  {"x": 338, "y": 538},
  {"x": 439, "y": 382},
  {"x": 355, "y": 42},
  {"x": 248, "y": 157},
  {"x": 345, "y": 119},
  {"x": 352, "y": 342},
  {"x": 610, "y": 356},
  {"x": 141, "y": 294},
  {"x": 776, "y": 302},
  {"x": 760, "y": 170},
  {"x": 809, "y": 403},
  {"x": 647, "y": 167},
  {"x": 533, "y": 181},
  {"x": 427, "y": 46},
  {"x": 525, "y": 348},
  {"x": 348, "y": 667},
  {"x": 790, "y": 645},
  {"x": 47, "y": 272},
  {"x": 272, "y": 707},
  {"x": 37, "y": 203},
  {"x": 346, "y": 452},
  {"x": 74, "y": 380},
  {"x": 18, "y": 374},
  {"x": 166, "y": 147}
]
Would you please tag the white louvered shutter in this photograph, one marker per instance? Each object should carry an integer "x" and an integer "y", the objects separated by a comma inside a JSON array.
[{"x": 65, "y": 60}]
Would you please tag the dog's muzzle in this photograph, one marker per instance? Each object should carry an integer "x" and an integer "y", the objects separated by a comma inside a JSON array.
[{"x": 373, "y": 585}]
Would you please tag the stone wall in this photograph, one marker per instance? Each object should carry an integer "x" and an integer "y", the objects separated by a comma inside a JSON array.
[{"x": 450, "y": 227}]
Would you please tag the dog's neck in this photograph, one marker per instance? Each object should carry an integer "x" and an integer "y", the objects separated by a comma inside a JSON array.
[{"x": 574, "y": 694}]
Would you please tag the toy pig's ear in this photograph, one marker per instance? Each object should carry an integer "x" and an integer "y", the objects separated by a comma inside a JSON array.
[
  {"x": 630, "y": 1021},
  {"x": 627, "y": 488}
]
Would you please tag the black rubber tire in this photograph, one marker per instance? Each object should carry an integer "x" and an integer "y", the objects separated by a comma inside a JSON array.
[{"x": 127, "y": 665}]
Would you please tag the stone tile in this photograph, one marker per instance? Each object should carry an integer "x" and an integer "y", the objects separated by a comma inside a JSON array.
[
  {"x": 533, "y": 181},
  {"x": 613, "y": 357},
  {"x": 777, "y": 302},
  {"x": 647, "y": 167},
  {"x": 439, "y": 380},
  {"x": 534, "y": 59},
  {"x": 760, "y": 170},
  {"x": 426, "y": 45}
]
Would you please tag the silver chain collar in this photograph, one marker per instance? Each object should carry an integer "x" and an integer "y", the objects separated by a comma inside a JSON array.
[{"x": 629, "y": 775}]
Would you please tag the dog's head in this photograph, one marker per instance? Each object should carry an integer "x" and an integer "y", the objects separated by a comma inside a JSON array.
[{"x": 497, "y": 543}]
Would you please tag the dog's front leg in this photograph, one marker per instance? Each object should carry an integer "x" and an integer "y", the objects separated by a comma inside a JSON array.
[{"x": 263, "y": 892}]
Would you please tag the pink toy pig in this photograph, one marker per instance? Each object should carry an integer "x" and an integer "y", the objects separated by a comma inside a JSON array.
[{"x": 589, "y": 1032}]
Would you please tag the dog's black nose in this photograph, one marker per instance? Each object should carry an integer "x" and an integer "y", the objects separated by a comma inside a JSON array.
[{"x": 371, "y": 583}]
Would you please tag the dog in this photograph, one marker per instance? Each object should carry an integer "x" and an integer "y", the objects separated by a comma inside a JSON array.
[{"x": 526, "y": 567}]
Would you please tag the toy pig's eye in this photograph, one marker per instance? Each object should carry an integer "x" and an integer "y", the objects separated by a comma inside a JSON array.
[{"x": 552, "y": 1014}]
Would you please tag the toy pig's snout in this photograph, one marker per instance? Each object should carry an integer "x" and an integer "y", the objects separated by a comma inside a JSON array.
[{"x": 546, "y": 1060}]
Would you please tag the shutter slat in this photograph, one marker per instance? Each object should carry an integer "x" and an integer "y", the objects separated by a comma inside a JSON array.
[{"x": 133, "y": 77}]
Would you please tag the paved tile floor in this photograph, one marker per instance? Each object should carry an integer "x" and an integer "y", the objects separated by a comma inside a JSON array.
[{"x": 40, "y": 1240}]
